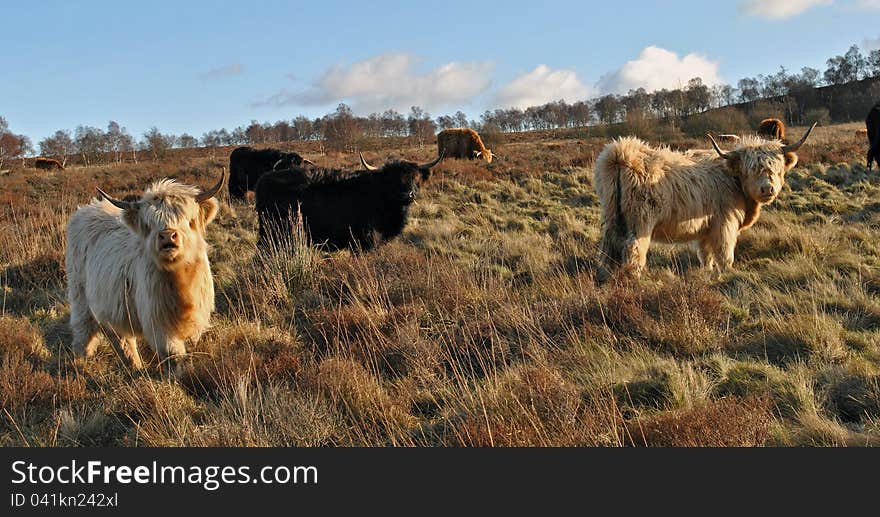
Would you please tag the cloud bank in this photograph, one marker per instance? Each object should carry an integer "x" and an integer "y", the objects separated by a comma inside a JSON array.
[
  {"x": 222, "y": 72},
  {"x": 540, "y": 86},
  {"x": 780, "y": 9},
  {"x": 658, "y": 68},
  {"x": 391, "y": 80}
]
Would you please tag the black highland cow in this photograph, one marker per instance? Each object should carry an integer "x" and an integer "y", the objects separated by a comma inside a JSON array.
[
  {"x": 872, "y": 122},
  {"x": 247, "y": 164},
  {"x": 339, "y": 209}
]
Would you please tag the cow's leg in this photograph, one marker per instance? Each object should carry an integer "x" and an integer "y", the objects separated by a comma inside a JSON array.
[
  {"x": 707, "y": 253},
  {"x": 609, "y": 248},
  {"x": 126, "y": 348},
  {"x": 872, "y": 155},
  {"x": 83, "y": 327},
  {"x": 635, "y": 250},
  {"x": 726, "y": 244},
  {"x": 171, "y": 351}
]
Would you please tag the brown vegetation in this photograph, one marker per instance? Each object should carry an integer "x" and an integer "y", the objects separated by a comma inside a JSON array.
[{"x": 481, "y": 326}]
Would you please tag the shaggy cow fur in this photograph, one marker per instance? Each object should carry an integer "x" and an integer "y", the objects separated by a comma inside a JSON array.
[
  {"x": 339, "y": 209},
  {"x": 772, "y": 129},
  {"x": 462, "y": 143},
  {"x": 872, "y": 123},
  {"x": 48, "y": 164},
  {"x": 247, "y": 164},
  {"x": 649, "y": 193},
  {"x": 142, "y": 271}
]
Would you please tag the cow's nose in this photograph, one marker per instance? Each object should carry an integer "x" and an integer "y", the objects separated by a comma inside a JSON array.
[
  {"x": 168, "y": 237},
  {"x": 767, "y": 190}
]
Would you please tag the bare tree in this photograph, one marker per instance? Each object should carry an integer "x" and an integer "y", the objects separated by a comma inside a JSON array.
[
  {"x": 445, "y": 122},
  {"x": 749, "y": 89},
  {"x": 59, "y": 144},
  {"x": 342, "y": 130},
  {"x": 187, "y": 141},
  {"x": 872, "y": 63},
  {"x": 157, "y": 143},
  {"x": 420, "y": 125},
  {"x": 12, "y": 146},
  {"x": 117, "y": 140},
  {"x": 846, "y": 68},
  {"x": 89, "y": 143}
]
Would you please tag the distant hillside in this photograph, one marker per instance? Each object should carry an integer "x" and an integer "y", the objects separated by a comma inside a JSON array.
[{"x": 849, "y": 102}]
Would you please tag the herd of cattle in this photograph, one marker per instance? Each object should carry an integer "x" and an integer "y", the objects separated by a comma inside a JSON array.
[{"x": 138, "y": 267}]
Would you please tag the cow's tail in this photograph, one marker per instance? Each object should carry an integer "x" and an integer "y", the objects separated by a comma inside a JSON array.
[{"x": 608, "y": 183}]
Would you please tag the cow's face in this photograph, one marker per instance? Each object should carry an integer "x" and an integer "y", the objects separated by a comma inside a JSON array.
[
  {"x": 409, "y": 178},
  {"x": 761, "y": 165},
  {"x": 171, "y": 219},
  {"x": 403, "y": 177},
  {"x": 484, "y": 155},
  {"x": 762, "y": 171},
  {"x": 291, "y": 160}
]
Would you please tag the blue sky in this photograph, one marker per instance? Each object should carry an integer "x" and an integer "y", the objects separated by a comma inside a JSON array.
[{"x": 194, "y": 66}]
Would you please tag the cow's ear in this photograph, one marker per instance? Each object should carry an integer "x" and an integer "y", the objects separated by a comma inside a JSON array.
[
  {"x": 208, "y": 210},
  {"x": 734, "y": 164},
  {"x": 132, "y": 219},
  {"x": 791, "y": 159}
]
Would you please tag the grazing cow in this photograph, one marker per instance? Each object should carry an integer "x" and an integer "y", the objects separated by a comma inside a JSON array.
[
  {"x": 247, "y": 164},
  {"x": 462, "y": 143},
  {"x": 872, "y": 123},
  {"x": 48, "y": 164},
  {"x": 649, "y": 193},
  {"x": 139, "y": 268},
  {"x": 357, "y": 210},
  {"x": 772, "y": 129}
]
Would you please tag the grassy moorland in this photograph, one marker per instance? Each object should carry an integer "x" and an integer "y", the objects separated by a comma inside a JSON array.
[{"x": 483, "y": 325}]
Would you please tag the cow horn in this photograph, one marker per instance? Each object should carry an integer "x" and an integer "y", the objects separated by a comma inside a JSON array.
[
  {"x": 426, "y": 166},
  {"x": 797, "y": 145},
  {"x": 310, "y": 162},
  {"x": 211, "y": 192},
  {"x": 365, "y": 164},
  {"x": 123, "y": 205},
  {"x": 718, "y": 150}
]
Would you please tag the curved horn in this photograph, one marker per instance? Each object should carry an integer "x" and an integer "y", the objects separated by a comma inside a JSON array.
[
  {"x": 310, "y": 162},
  {"x": 797, "y": 145},
  {"x": 365, "y": 164},
  {"x": 123, "y": 205},
  {"x": 718, "y": 150},
  {"x": 211, "y": 192},
  {"x": 426, "y": 166}
]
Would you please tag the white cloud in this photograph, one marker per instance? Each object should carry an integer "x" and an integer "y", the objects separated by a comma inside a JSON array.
[
  {"x": 781, "y": 9},
  {"x": 391, "y": 80},
  {"x": 540, "y": 86},
  {"x": 223, "y": 71},
  {"x": 658, "y": 68}
]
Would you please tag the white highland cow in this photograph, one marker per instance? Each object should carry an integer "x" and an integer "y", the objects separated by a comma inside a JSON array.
[
  {"x": 649, "y": 194},
  {"x": 140, "y": 269}
]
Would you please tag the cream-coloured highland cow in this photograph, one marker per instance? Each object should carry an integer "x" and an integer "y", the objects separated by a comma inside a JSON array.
[
  {"x": 140, "y": 269},
  {"x": 649, "y": 193}
]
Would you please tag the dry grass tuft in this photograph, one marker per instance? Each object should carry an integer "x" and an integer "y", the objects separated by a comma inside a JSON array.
[{"x": 727, "y": 422}]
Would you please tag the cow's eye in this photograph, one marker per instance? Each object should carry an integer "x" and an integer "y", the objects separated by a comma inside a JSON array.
[{"x": 192, "y": 224}]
